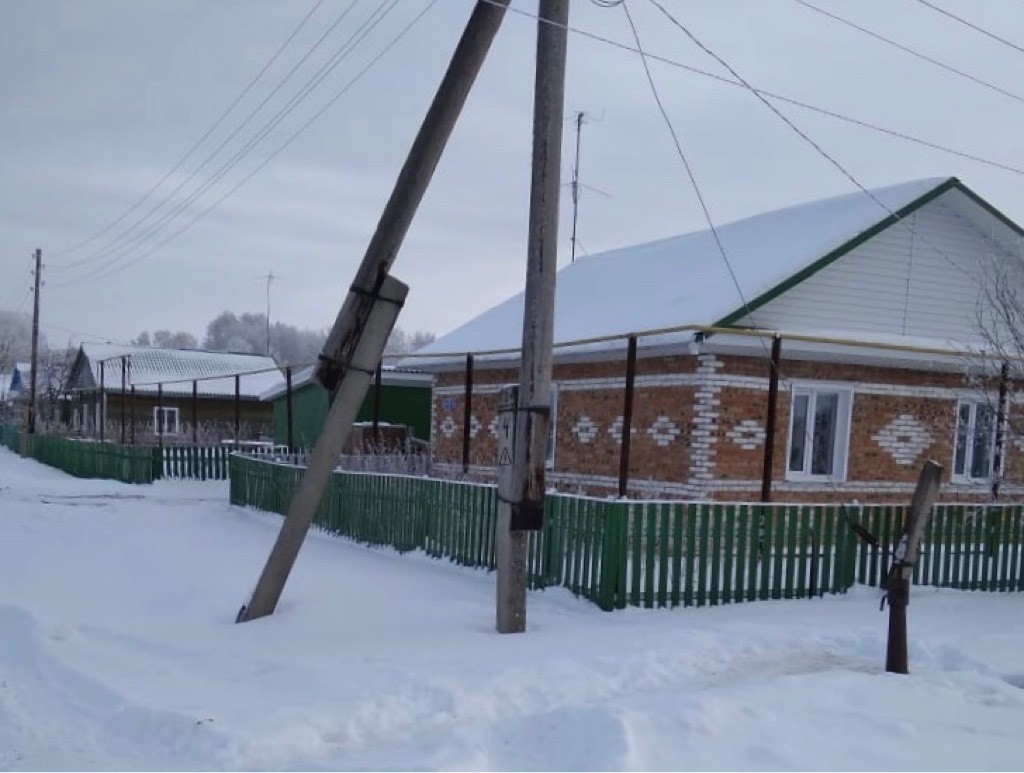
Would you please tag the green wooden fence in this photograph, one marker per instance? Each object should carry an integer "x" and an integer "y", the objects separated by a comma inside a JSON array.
[
  {"x": 208, "y": 462},
  {"x": 9, "y": 437},
  {"x": 85, "y": 459},
  {"x": 621, "y": 553}
]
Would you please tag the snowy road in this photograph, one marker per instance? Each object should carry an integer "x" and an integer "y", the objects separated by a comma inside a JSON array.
[{"x": 118, "y": 651}]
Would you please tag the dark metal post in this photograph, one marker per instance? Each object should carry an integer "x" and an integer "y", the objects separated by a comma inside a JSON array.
[
  {"x": 103, "y": 399},
  {"x": 195, "y": 412},
  {"x": 238, "y": 409},
  {"x": 1000, "y": 451},
  {"x": 770, "y": 420},
  {"x": 627, "y": 417},
  {"x": 904, "y": 558},
  {"x": 288, "y": 408},
  {"x": 160, "y": 415},
  {"x": 124, "y": 389},
  {"x": 467, "y": 413},
  {"x": 131, "y": 414},
  {"x": 377, "y": 378}
]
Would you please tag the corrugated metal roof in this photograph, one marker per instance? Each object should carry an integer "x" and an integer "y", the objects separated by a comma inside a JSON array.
[
  {"x": 176, "y": 368},
  {"x": 391, "y": 376}
]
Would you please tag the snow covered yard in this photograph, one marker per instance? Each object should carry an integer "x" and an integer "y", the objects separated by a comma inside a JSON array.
[{"x": 118, "y": 651}]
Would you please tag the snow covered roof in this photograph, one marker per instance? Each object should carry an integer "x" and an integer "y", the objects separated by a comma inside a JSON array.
[
  {"x": 390, "y": 376},
  {"x": 682, "y": 280},
  {"x": 149, "y": 365}
]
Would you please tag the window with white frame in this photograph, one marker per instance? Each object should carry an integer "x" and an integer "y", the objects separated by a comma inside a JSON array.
[
  {"x": 165, "y": 420},
  {"x": 819, "y": 432},
  {"x": 975, "y": 440}
]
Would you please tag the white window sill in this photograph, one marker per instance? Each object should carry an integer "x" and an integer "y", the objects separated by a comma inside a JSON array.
[{"x": 826, "y": 479}]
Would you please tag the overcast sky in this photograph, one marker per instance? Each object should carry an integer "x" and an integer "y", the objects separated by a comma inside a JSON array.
[{"x": 101, "y": 98}]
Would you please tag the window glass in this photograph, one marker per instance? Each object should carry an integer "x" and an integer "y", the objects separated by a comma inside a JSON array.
[
  {"x": 798, "y": 433},
  {"x": 826, "y": 418}
]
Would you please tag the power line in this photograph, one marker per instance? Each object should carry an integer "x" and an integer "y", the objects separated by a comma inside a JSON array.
[
  {"x": 906, "y": 49},
  {"x": 127, "y": 239},
  {"x": 973, "y": 26},
  {"x": 339, "y": 55},
  {"x": 808, "y": 139},
  {"x": 780, "y": 97},
  {"x": 344, "y": 90},
  {"x": 194, "y": 147}
]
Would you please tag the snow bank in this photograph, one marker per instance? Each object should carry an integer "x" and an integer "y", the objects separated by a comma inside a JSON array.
[{"x": 118, "y": 651}]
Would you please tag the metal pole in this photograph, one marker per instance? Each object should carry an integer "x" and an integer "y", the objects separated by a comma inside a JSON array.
[
  {"x": 288, "y": 408},
  {"x": 131, "y": 415},
  {"x": 238, "y": 409},
  {"x": 32, "y": 397},
  {"x": 366, "y": 302},
  {"x": 770, "y": 420},
  {"x": 627, "y": 417},
  {"x": 195, "y": 412},
  {"x": 904, "y": 558},
  {"x": 161, "y": 415},
  {"x": 124, "y": 390},
  {"x": 525, "y": 511},
  {"x": 1000, "y": 451},
  {"x": 467, "y": 413},
  {"x": 103, "y": 399},
  {"x": 378, "y": 376}
]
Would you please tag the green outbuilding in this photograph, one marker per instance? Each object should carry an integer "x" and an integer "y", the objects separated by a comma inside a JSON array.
[{"x": 404, "y": 401}]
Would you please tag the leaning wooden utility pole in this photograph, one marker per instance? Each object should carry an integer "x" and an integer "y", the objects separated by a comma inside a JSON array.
[
  {"x": 356, "y": 342},
  {"x": 521, "y": 507},
  {"x": 34, "y": 377},
  {"x": 902, "y": 570}
]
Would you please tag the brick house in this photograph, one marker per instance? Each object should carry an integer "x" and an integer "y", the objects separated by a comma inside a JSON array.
[
  {"x": 157, "y": 397},
  {"x": 875, "y": 300}
]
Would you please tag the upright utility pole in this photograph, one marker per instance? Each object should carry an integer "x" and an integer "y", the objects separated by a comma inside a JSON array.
[
  {"x": 356, "y": 342},
  {"x": 270, "y": 278},
  {"x": 580, "y": 115},
  {"x": 32, "y": 397},
  {"x": 521, "y": 509}
]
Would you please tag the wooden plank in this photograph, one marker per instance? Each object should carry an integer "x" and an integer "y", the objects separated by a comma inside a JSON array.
[
  {"x": 715, "y": 528},
  {"x": 691, "y": 554},
  {"x": 728, "y": 559},
  {"x": 677, "y": 553}
]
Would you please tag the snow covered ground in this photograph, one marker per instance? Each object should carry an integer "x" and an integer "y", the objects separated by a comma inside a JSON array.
[{"x": 118, "y": 650}]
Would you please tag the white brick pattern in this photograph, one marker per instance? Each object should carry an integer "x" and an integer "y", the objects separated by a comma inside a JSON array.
[
  {"x": 493, "y": 427},
  {"x": 904, "y": 438},
  {"x": 705, "y": 420},
  {"x": 615, "y": 430},
  {"x": 448, "y": 426},
  {"x": 663, "y": 431},
  {"x": 474, "y": 426},
  {"x": 748, "y": 434},
  {"x": 585, "y": 429}
]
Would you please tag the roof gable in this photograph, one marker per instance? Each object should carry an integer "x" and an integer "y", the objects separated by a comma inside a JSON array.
[{"x": 682, "y": 280}]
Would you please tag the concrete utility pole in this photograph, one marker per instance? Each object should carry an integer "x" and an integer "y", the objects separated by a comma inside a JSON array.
[
  {"x": 356, "y": 342},
  {"x": 522, "y": 510},
  {"x": 32, "y": 397}
]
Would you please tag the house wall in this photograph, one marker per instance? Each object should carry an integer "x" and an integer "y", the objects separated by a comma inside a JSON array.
[
  {"x": 216, "y": 416},
  {"x": 406, "y": 405},
  {"x": 896, "y": 282},
  {"x": 699, "y": 429}
]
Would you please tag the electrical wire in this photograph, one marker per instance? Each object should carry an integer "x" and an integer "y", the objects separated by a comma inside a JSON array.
[
  {"x": 973, "y": 26},
  {"x": 340, "y": 54},
  {"x": 906, "y": 49},
  {"x": 775, "y": 95},
  {"x": 132, "y": 236},
  {"x": 344, "y": 90},
  {"x": 213, "y": 127}
]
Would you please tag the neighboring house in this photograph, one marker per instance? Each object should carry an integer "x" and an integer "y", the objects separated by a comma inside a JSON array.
[
  {"x": 854, "y": 422},
  {"x": 404, "y": 401},
  {"x": 159, "y": 384}
]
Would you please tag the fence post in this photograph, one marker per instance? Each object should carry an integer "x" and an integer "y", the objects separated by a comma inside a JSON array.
[
  {"x": 158, "y": 416},
  {"x": 770, "y": 419},
  {"x": 238, "y": 409},
  {"x": 103, "y": 399},
  {"x": 124, "y": 389},
  {"x": 131, "y": 412},
  {"x": 997, "y": 456},
  {"x": 377, "y": 377},
  {"x": 627, "y": 417},
  {"x": 195, "y": 412},
  {"x": 288, "y": 408},
  {"x": 467, "y": 414}
]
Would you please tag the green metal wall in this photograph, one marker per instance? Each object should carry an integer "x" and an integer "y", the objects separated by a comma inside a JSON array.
[{"x": 406, "y": 405}]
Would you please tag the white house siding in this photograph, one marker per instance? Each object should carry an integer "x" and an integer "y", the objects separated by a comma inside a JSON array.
[{"x": 918, "y": 279}]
